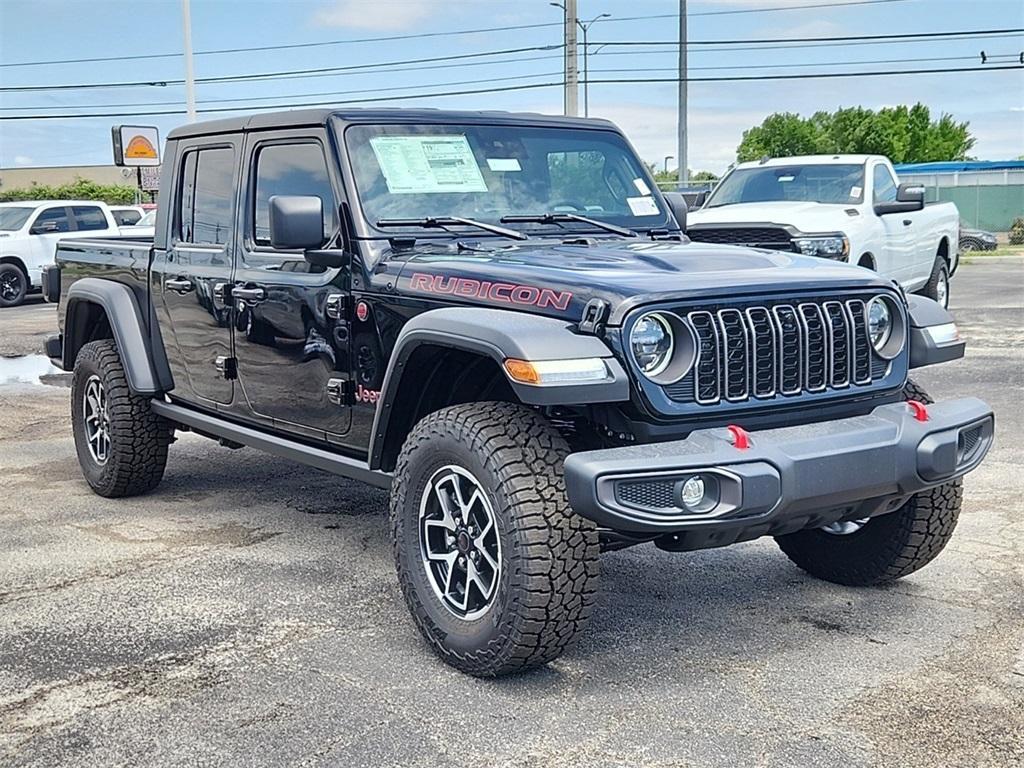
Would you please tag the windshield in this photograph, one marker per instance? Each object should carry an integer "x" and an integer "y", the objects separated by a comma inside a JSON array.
[
  {"x": 487, "y": 172},
  {"x": 13, "y": 217},
  {"x": 840, "y": 184}
]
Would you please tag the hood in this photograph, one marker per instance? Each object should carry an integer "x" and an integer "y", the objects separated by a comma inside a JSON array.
[
  {"x": 806, "y": 217},
  {"x": 558, "y": 279}
]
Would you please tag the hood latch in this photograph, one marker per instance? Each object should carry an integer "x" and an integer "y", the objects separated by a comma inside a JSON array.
[{"x": 594, "y": 316}]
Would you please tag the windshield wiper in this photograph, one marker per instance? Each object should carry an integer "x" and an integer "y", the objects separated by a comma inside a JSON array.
[
  {"x": 443, "y": 222},
  {"x": 555, "y": 218}
]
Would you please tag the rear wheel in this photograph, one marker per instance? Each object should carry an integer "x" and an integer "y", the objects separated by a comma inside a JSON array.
[
  {"x": 884, "y": 548},
  {"x": 121, "y": 443},
  {"x": 498, "y": 572},
  {"x": 937, "y": 287},
  {"x": 13, "y": 285}
]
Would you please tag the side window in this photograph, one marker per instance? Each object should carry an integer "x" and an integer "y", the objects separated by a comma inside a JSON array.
[
  {"x": 88, "y": 217},
  {"x": 51, "y": 220},
  {"x": 205, "y": 210},
  {"x": 885, "y": 186},
  {"x": 291, "y": 169}
]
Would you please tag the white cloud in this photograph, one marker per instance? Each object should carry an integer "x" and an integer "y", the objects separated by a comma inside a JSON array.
[
  {"x": 376, "y": 15},
  {"x": 22, "y": 161}
]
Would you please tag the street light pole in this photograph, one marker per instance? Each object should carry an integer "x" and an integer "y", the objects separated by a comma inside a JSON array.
[
  {"x": 667, "y": 158},
  {"x": 190, "y": 78},
  {"x": 585, "y": 26}
]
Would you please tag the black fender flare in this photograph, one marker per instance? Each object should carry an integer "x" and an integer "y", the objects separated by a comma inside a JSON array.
[
  {"x": 126, "y": 324},
  {"x": 924, "y": 313},
  {"x": 499, "y": 334}
]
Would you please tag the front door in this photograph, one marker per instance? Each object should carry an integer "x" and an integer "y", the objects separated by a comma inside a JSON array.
[
  {"x": 292, "y": 322},
  {"x": 897, "y": 259},
  {"x": 196, "y": 270}
]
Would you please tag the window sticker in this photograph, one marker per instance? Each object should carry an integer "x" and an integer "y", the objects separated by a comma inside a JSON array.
[
  {"x": 855, "y": 191},
  {"x": 427, "y": 164},
  {"x": 786, "y": 178},
  {"x": 641, "y": 187},
  {"x": 642, "y": 206},
  {"x": 503, "y": 164}
]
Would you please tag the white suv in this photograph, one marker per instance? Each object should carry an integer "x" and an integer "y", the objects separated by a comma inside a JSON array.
[{"x": 29, "y": 232}]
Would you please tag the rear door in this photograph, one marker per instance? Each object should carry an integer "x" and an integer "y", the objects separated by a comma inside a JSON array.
[
  {"x": 197, "y": 269},
  {"x": 292, "y": 321},
  {"x": 50, "y": 226}
]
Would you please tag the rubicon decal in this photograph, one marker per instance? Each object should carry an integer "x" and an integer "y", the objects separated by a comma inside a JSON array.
[{"x": 506, "y": 293}]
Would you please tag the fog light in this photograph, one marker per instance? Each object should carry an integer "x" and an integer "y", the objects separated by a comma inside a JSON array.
[{"x": 693, "y": 492}]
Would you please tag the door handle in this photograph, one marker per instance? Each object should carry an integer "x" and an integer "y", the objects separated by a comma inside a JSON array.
[
  {"x": 907, "y": 222},
  {"x": 249, "y": 294},
  {"x": 179, "y": 286}
]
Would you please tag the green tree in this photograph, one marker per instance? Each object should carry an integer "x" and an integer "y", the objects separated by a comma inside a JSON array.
[{"x": 903, "y": 134}]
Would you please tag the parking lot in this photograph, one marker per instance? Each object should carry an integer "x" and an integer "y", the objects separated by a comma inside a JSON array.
[{"x": 248, "y": 609}]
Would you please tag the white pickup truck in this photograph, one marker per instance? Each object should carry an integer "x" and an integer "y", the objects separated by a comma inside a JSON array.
[
  {"x": 843, "y": 207},
  {"x": 29, "y": 232}
]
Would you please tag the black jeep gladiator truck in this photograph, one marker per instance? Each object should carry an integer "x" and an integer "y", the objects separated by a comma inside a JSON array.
[{"x": 498, "y": 317}]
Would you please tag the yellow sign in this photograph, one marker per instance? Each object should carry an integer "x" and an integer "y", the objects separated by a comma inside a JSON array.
[{"x": 140, "y": 147}]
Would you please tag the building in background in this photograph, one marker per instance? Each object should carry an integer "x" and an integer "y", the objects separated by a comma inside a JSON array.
[
  {"x": 107, "y": 175},
  {"x": 988, "y": 193}
]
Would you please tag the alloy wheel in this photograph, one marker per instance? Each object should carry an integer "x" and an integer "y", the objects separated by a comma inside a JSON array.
[
  {"x": 459, "y": 543},
  {"x": 10, "y": 285},
  {"x": 942, "y": 289},
  {"x": 97, "y": 421}
]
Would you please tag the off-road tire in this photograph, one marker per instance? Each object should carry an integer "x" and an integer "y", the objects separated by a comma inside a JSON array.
[
  {"x": 940, "y": 273},
  {"x": 549, "y": 555},
  {"x": 11, "y": 274},
  {"x": 887, "y": 547},
  {"x": 138, "y": 437}
]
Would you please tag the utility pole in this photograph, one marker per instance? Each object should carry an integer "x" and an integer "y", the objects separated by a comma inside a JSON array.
[
  {"x": 190, "y": 77},
  {"x": 572, "y": 72},
  {"x": 684, "y": 173}
]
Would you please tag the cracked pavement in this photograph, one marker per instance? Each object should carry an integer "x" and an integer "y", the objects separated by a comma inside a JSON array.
[{"x": 246, "y": 612}]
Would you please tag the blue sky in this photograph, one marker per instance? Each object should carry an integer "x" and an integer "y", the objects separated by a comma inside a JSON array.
[{"x": 993, "y": 101}]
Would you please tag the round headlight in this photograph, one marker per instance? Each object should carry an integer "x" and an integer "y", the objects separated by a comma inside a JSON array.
[
  {"x": 879, "y": 322},
  {"x": 651, "y": 343}
]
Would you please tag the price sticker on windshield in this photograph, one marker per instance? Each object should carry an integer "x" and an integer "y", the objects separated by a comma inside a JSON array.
[
  {"x": 427, "y": 164},
  {"x": 642, "y": 206}
]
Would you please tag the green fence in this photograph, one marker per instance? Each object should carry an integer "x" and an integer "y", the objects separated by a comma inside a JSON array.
[{"x": 985, "y": 206}]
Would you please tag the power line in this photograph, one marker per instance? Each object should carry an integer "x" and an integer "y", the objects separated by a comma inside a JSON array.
[
  {"x": 272, "y": 75},
  {"x": 424, "y": 35},
  {"x": 859, "y": 62},
  {"x": 835, "y": 39},
  {"x": 532, "y": 86}
]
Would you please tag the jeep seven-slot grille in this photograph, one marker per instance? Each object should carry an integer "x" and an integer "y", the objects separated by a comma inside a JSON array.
[
  {"x": 775, "y": 238},
  {"x": 784, "y": 348}
]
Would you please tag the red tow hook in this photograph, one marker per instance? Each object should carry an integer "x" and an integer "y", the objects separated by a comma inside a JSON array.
[
  {"x": 919, "y": 409},
  {"x": 740, "y": 437}
]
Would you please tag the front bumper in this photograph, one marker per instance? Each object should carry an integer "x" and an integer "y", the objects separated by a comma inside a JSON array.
[{"x": 786, "y": 479}]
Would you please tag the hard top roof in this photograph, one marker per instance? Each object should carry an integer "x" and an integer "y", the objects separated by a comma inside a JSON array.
[{"x": 305, "y": 117}]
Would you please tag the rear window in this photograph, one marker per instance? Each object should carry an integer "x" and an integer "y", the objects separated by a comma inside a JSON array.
[
  {"x": 127, "y": 218},
  {"x": 88, "y": 217}
]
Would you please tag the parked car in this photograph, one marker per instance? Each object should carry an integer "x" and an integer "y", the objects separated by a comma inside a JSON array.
[
  {"x": 842, "y": 207},
  {"x": 526, "y": 351},
  {"x": 977, "y": 240},
  {"x": 127, "y": 215},
  {"x": 29, "y": 232},
  {"x": 143, "y": 228}
]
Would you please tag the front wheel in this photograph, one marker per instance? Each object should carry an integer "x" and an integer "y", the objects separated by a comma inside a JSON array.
[
  {"x": 13, "y": 285},
  {"x": 884, "y": 548},
  {"x": 497, "y": 571}
]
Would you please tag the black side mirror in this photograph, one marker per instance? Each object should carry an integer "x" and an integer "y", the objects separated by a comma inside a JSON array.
[
  {"x": 296, "y": 222},
  {"x": 677, "y": 204},
  {"x": 909, "y": 198},
  {"x": 43, "y": 228}
]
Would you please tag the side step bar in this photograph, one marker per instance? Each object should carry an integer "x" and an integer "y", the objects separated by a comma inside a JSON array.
[{"x": 273, "y": 444}]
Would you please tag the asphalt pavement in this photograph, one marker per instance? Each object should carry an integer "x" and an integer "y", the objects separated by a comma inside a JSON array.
[{"x": 246, "y": 613}]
